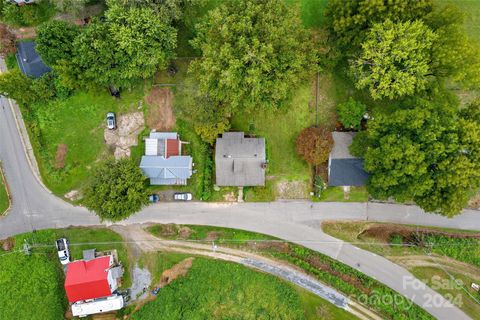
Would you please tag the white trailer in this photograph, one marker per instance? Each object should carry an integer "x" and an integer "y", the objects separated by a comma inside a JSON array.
[{"x": 111, "y": 303}]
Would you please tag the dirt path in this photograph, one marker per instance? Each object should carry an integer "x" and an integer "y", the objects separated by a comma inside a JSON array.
[
  {"x": 140, "y": 239},
  {"x": 449, "y": 264}
]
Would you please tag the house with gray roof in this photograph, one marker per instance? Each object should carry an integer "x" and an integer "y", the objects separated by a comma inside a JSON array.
[
  {"x": 344, "y": 169},
  {"x": 240, "y": 161},
  {"x": 163, "y": 162},
  {"x": 30, "y": 63}
]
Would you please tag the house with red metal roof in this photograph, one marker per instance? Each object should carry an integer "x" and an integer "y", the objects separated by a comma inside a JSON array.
[
  {"x": 93, "y": 279},
  {"x": 163, "y": 162}
]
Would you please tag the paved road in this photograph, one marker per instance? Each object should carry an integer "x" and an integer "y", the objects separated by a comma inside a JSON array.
[{"x": 34, "y": 208}]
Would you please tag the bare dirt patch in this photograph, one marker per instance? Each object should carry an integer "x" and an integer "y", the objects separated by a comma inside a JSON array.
[
  {"x": 129, "y": 126},
  {"x": 213, "y": 235},
  {"x": 292, "y": 190},
  {"x": 168, "y": 230},
  {"x": 184, "y": 232},
  {"x": 474, "y": 203},
  {"x": 73, "y": 195},
  {"x": 178, "y": 270},
  {"x": 229, "y": 197},
  {"x": 269, "y": 246},
  {"x": 160, "y": 115},
  {"x": 60, "y": 156}
]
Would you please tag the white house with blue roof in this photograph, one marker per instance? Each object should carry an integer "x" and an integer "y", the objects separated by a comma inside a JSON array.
[{"x": 163, "y": 162}]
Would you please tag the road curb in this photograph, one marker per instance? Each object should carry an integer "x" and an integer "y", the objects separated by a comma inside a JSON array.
[
  {"x": 24, "y": 138},
  {"x": 7, "y": 189}
]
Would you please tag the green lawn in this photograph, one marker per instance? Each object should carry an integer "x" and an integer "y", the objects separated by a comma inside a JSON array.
[
  {"x": 223, "y": 290},
  {"x": 78, "y": 122},
  {"x": 471, "y": 9},
  {"x": 463, "y": 250},
  {"x": 4, "y": 200},
  {"x": 336, "y": 194},
  {"x": 32, "y": 285}
]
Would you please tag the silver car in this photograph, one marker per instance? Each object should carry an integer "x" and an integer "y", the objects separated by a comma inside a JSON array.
[
  {"x": 182, "y": 196},
  {"x": 111, "y": 121}
]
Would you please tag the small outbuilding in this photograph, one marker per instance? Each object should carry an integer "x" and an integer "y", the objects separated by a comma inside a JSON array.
[
  {"x": 240, "y": 161},
  {"x": 344, "y": 169},
  {"x": 29, "y": 61}
]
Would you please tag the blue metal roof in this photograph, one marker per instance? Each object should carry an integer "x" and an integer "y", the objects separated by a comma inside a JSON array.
[{"x": 166, "y": 171}]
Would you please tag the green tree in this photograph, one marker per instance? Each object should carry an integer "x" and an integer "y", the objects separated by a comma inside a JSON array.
[
  {"x": 132, "y": 44},
  {"x": 253, "y": 54},
  {"x": 314, "y": 145},
  {"x": 117, "y": 190},
  {"x": 351, "y": 113},
  {"x": 55, "y": 41},
  {"x": 429, "y": 153},
  {"x": 15, "y": 85},
  {"x": 350, "y": 20},
  {"x": 395, "y": 59},
  {"x": 168, "y": 10}
]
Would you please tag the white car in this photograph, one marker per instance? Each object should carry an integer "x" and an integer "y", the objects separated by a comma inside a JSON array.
[
  {"x": 182, "y": 196},
  {"x": 63, "y": 251},
  {"x": 111, "y": 121}
]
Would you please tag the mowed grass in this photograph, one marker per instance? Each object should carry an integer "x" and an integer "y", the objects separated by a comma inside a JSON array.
[
  {"x": 4, "y": 200},
  {"x": 78, "y": 122},
  {"x": 32, "y": 285},
  {"x": 336, "y": 194},
  {"x": 223, "y": 290}
]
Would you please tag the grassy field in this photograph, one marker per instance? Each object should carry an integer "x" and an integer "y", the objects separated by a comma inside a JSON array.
[
  {"x": 335, "y": 274},
  {"x": 471, "y": 9},
  {"x": 77, "y": 122},
  {"x": 32, "y": 285},
  {"x": 452, "y": 256},
  {"x": 222, "y": 290},
  {"x": 4, "y": 201}
]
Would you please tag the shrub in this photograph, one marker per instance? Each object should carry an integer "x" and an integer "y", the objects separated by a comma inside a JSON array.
[
  {"x": 28, "y": 15},
  {"x": 359, "y": 145},
  {"x": 314, "y": 145},
  {"x": 351, "y": 113}
]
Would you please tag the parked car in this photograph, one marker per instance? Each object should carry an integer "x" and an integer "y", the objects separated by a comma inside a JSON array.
[
  {"x": 111, "y": 121},
  {"x": 153, "y": 198},
  {"x": 115, "y": 92},
  {"x": 182, "y": 196},
  {"x": 63, "y": 251}
]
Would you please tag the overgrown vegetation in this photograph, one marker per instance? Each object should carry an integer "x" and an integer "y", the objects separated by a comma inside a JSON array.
[
  {"x": 26, "y": 15},
  {"x": 426, "y": 252},
  {"x": 336, "y": 274}
]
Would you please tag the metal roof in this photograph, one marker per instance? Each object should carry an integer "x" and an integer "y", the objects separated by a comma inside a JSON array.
[
  {"x": 239, "y": 161},
  {"x": 29, "y": 61},
  {"x": 341, "y": 142},
  {"x": 171, "y": 170}
]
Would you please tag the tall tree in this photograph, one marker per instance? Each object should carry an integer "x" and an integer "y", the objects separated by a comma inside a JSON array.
[
  {"x": 133, "y": 43},
  {"x": 117, "y": 189},
  {"x": 429, "y": 153},
  {"x": 55, "y": 41},
  {"x": 350, "y": 20},
  {"x": 169, "y": 10},
  {"x": 314, "y": 145},
  {"x": 15, "y": 85},
  {"x": 395, "y": 59},
  {"x": 253, "y": 53}
]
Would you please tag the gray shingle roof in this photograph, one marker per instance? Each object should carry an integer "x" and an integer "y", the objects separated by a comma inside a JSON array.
[
  {"x": 347, "y": 172},
  {"x": 29, "y": 61},
  {"x": 345, "y": 169},
  {"x": 239, "y": 160}
]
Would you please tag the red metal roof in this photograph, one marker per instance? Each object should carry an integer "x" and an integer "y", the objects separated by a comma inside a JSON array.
[
  {"x": 87, "y": 279},
  {"x": 173, "y": 147}
]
